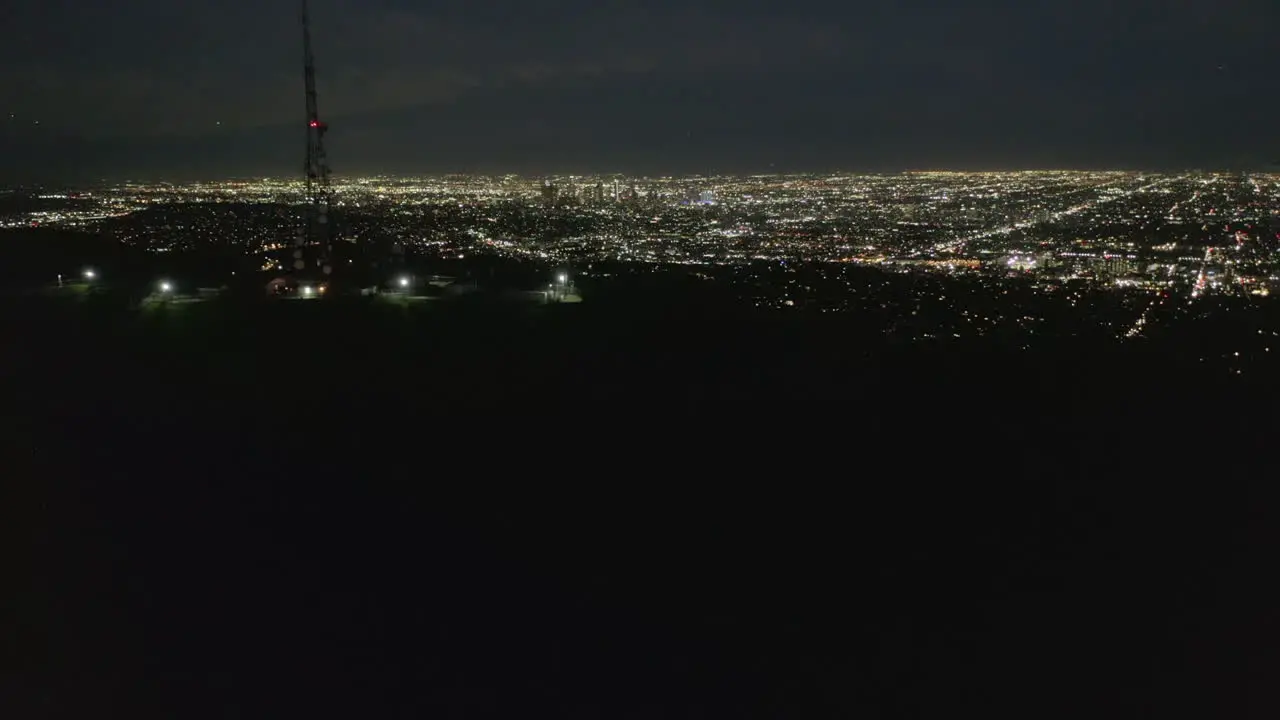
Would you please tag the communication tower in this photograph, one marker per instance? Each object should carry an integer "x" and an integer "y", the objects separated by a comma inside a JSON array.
[{"x": 313, "y": 249}]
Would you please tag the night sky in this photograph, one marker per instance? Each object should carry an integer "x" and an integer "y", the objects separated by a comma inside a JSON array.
[{"x": 207, "y": 88}]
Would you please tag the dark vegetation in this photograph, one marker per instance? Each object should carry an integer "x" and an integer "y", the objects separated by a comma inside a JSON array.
[{"x": 655, "y": 503}]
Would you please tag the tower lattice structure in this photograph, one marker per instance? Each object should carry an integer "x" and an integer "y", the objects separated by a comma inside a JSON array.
[{"x": 314, "y": 245}]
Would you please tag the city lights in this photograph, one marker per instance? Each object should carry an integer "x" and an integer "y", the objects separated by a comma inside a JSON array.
[{"x": 1146, "y": 243}]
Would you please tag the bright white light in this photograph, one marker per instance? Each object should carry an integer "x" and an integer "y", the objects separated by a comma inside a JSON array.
[
  {"x": 306, "y": 290},
  {"x": 563, "y": 278},
  {"x": 404, "y": 282},
  {"x": 165, "y": 286},
  {"x": 89, "y": 274}
]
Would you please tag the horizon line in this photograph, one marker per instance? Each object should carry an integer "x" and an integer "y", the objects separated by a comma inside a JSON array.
[{"x": 271, "y": 177}]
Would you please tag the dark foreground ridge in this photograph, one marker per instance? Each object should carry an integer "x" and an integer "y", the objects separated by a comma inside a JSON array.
[{"x": 657, "y": 509}]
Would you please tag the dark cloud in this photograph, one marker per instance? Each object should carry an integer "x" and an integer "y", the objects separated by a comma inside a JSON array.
[{"x": 147, "y": 83}]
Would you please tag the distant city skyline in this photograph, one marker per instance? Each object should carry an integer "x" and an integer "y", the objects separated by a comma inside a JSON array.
[
  {"x": 1118, "y": 254},
  {"x": 217, "y": 161}
]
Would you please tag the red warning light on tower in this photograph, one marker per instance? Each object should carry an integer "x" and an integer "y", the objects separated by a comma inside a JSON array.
[{"x": 315, "y": 123}]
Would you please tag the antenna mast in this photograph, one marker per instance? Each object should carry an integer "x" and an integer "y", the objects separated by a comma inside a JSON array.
[{"x": 316, "y": 233}]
